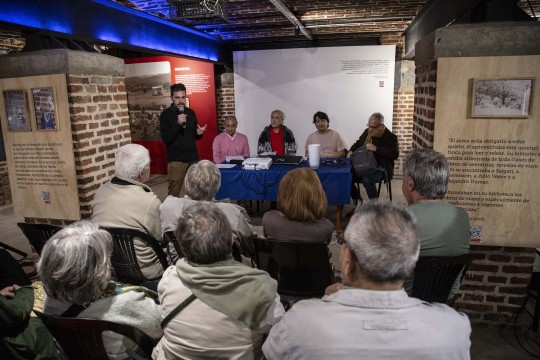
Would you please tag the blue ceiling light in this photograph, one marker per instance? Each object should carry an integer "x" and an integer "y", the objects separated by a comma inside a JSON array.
[{"x": 107, "y": 21}]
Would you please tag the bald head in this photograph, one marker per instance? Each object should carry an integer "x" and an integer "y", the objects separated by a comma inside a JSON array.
[{"x": 230, "y": 125}]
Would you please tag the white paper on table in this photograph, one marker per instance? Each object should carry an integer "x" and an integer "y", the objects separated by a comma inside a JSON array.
[
  {"x": 225, "y": 166},
  {"x": 234, "y": 157}
]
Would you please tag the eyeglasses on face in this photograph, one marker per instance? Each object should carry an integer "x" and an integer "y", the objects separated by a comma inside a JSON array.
[{"x": 372, "y": 127}]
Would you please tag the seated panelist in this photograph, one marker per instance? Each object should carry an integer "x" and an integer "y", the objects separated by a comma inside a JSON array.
[
  {"x": 384, "y": 145},
  {"x": 332, "y": 145},
  {"x": 276, "y": 138},
  {"x": 230, "y": 142}
]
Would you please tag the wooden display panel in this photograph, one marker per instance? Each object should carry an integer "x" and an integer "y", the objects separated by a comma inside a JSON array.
[
  {"x": 40, "y": 160},
  {"x": 494, "y": 162}
]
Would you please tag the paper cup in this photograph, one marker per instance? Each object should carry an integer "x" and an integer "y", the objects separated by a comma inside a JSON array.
[{"x": 314, "y": 153}]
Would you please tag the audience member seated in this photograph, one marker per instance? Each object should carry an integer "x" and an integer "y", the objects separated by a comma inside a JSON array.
[
  {"x": 442, "y": 227},
  {"x": 230, "y": 142},
  {"x": 276, "y": 138},
  {"x": 384, "y": 145},
  {"x": 202, "y": 183},
  {"x": 369, "y": 315},
  {"x": 125, "y": 202},
  {"x": 332, "y": 145},
  {"x": 227, "y": 307},
  {"x": 21, "y": 335},
  {"x": 76, "y": 273},
  {"x": 301, "y": 204}
]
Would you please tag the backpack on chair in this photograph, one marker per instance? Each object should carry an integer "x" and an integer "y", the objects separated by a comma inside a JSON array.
[{"x": 363, "y": 162}]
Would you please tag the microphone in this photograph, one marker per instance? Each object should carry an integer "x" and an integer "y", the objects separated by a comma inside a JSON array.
[{"x": 180, "y": 110}]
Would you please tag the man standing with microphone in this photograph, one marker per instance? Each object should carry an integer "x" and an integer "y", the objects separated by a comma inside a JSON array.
[{"x": 179, "y": 131}]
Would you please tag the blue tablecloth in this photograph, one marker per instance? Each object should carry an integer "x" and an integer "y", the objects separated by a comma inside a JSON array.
[{"x": 239, "y": 184}]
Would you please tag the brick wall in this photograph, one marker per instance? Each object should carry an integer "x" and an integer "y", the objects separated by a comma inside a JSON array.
[
  {"x": 424, "y": 105},
  {"x": 495, "y": 285},
  {"x": 402, "y": 126},
  {"x": 100, "y": 125},
  {"x": 225, "y": 98},
  {"x": 5, "y": 190}
]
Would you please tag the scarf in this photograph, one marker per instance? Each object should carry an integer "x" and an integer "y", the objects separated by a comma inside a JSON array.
[
  {"x": 233, "y": 289},
  {"x": 376, "y": 133}
]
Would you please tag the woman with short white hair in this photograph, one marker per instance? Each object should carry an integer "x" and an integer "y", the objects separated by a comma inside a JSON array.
[{"x": 75, "y": 270}]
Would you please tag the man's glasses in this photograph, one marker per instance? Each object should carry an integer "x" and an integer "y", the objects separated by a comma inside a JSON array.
[{"x": 372, "y": 127}]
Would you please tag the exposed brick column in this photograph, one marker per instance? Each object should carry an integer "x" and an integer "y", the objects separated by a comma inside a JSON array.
[
  {"x": 424, "y": 105},
  {"x": 100, "y": 125},
  {"x": 5, "y": 190},
  {"x": 225, "y": 98},
  {"x": 98, "y": 110}
]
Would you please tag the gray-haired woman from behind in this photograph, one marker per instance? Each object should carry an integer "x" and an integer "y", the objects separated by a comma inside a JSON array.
[{"x": 76, "y": 274}]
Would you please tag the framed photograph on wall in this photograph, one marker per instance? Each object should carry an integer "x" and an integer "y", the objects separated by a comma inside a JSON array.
[
  {"x": 45, "y": 108},
  {"x": 502, "y": 98},
  {"x": 17, "y": 114}
]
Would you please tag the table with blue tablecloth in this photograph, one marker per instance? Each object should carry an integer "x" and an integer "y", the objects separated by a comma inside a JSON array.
[{"x": 240, "y": 184}]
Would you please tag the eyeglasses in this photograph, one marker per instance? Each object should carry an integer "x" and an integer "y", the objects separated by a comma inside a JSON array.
[
  {"x": 372, "y": 127},
  {"x": 340, "y": 240}
]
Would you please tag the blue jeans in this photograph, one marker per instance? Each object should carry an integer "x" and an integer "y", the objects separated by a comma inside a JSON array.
[{"x": 370, "y": 184}]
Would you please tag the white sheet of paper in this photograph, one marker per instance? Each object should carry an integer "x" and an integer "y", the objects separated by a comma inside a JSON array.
[{"x": 225, "y": 166}]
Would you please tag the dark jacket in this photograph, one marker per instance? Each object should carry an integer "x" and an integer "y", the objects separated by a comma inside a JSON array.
[
  {"x": 264, "y": 145},
  {"x": 387, "y": 149},
  {"x": 180, "y": 142}
]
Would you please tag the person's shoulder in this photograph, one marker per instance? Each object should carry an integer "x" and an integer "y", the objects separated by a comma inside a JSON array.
[
  {"x": 444, "y": 314},
  {"x": 239, "y": 134},
  {"x": 389, "y": 133},
  {"x": 273, "y": 214}
]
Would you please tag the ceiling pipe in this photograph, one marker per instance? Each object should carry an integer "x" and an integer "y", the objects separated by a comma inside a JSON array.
[{"x": 289, "y": 15}]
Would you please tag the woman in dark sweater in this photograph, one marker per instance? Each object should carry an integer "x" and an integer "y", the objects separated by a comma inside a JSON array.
[{"x": 301, "y": 206}]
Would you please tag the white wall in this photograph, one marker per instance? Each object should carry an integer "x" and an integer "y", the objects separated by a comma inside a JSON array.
[{"x": 347, "y": 83}]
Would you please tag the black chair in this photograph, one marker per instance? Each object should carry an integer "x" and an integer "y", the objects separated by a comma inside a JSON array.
[
  {"x": 81, "y": 338},
  {"x": 171, "y": 238},
  {"x": 384, "y": 181},
  {"x": 38, "y": 234},
  {"x": 124, "y": 259},
  {"x": 434, "y": 276},
  {"x": 301, "y": 269}
]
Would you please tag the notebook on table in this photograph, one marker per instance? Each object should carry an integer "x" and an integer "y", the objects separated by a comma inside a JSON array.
[{"x": 286, "y": 159}]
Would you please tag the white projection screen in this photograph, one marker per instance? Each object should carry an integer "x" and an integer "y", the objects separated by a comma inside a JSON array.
[{"x": 347, "y": 83}]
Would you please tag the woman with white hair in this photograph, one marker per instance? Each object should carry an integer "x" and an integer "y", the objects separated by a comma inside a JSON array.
[
  {"x": 76, "y": 273},
  {"x": 202, "y": 183}
]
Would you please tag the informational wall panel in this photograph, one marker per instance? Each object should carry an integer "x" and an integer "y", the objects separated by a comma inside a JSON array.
[
  {"x": 494, "y": 160},
  {"x": 37, "y": 134},
  {"x": 347, "y": 83},
  {"x": 148, "y": 82}
]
